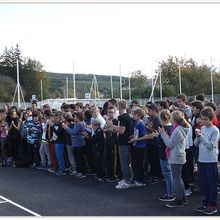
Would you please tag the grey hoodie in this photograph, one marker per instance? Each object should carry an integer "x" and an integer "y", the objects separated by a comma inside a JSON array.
[
  {"x": 208, "y": 144},
  {"x": 177, "y": 144}
]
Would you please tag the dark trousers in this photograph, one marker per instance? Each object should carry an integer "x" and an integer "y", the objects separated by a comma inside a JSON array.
[
  {"x": 79, "y": 154},
  {"x": 188, "y": 168},
  {"x": 33, "y": 154},
  {"x": 154, "y": 160},
  {"x": 90, "y": 155},
  {"x": 208, "y": 178},
  {"x": 112, "y": 160},
  {"x": 99, "y": 162},
  {"x": 137, "y": 161},
  {"x": 15, "y": 148}
]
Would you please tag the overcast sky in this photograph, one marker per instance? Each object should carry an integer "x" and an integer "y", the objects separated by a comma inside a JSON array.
[{"x": 99, "y": 37}]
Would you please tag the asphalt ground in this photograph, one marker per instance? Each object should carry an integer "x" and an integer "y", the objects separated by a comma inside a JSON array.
[{"x": 32, "y": 192}]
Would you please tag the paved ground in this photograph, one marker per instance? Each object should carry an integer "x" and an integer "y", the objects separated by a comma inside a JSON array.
[{"x": 39, "y": 192}]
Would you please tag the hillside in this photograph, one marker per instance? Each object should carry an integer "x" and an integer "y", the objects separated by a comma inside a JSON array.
[{"x": 83, "y": 84}]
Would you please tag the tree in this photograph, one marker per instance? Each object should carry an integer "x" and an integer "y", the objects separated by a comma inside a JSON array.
[{"x": 31, "y": 73}]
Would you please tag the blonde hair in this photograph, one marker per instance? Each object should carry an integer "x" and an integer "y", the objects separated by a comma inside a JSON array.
[{"x": 179, "y": 117}]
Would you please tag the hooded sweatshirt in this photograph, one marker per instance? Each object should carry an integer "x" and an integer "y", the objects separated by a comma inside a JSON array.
[{"x": 177, "y": 144}]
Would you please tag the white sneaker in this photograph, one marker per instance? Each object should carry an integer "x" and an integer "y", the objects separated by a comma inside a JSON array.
[
  {"x": 123, "y": 186},
  {"x": 188, "y": 192},
  {"x": 138, "y": 184},
  {"x": 121, "y": 181}
]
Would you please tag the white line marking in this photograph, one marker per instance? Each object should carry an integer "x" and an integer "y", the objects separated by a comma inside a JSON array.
[
  {"x": 19, "y": 206},
  {"x": 3, "y": 202}
]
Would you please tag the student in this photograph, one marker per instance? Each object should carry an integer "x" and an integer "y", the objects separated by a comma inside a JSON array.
[
  {"x": 207, "y": 141},
  {"x": 97, "y": 139},
  {"x": 14, "y": 136},
  {"x": 78, "y": 143},
  {"x": 68, "y": 141},
  {"x": 113, "y": 103},
  {"x": 138, "y": 148},
  {"x": 177, "y": 155},
  {"x": 124, "y": 130},
  {"x": 44, "y": 147},
  {"x": 182, "y": 104},
  {"x": 58, "y": 134},
  {"x": 51, "y": 138},
  {"x": 153, "y": 123},
  {"x": 89, "y": 151},
  {"x": 111, "y": 146},
  {"x": 96, "y": 115},
  {"x": 34, "y": 133},
  {"x": 3, "y": 137},
  {"x": 165, "y": 116}
]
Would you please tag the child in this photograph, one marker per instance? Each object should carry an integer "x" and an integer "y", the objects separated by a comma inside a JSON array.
[
  {"x": 44, "y": 147},
  {"x": 138, "y": 148},
  {"x": 165, "y": 116},
  {"x": 111, "y": 146},
  {"x": 98, "y": 142},
  {"x": 14, "y": 136},
  {"x": 207, "y": 140},
  {"x": 177, "y": 155},
  {"x": 3, "y": 137},
  {"x": 58, "y": 134},
  {"x": 34, "y": 132},
  {"x": 77, "y": 146}
]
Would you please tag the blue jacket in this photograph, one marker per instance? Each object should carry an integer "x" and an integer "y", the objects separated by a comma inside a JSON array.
[
  {"x": 33, "y": 131},
  {"x": 75, "y": 132}
]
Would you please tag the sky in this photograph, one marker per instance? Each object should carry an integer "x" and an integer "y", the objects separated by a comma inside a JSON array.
[{"x": 98, "y": 38}]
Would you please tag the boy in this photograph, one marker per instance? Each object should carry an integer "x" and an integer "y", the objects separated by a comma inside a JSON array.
[
  {"x": 111, "y": 146},
  {"x": 34, "y": 133},
  {"x": 58, "y": 134},
  {"x": 138, "y": 148},
  {"x": 207, "y": 140},
  {"x": 98, "y": 141},
  {"x": 124, "y": 130}
]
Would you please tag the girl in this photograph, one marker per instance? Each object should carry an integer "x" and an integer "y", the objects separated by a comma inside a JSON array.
[
  {"x": 177, "y": 155},
  {"x": 165, "y": 116}
]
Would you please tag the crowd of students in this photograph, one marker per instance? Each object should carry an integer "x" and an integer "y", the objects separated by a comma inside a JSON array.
[{"x": 130, "y": 145}]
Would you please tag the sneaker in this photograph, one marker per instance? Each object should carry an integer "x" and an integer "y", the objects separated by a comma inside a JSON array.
[
  {"x": 154, "y": 181},
  {"x": 175, "y": 204},
  {"x": 122, "y": 186},
  {"x": 67, "y": 169},
  {"x": 34, "y": 165},
  {"x": 111, "y": 180},
  {"x": 42, "y": 167},
  {"x": 201, "y": 208},
  {"x": 60, "y": 173},
  {"x": 100, "y": 179},
  {"x": 210, "y": 210},
  {"x": 51, "y": 170},
  {"x": 80, "y": 175},
  {"x": 184, "y": 201},
  {"x": 121, "y": 182},
  {"x": 72, "y": 173},
  {"x": 188, "y": 192},
  {"x": 139, "y": 184},
  {"x": 167, "y": 198}
]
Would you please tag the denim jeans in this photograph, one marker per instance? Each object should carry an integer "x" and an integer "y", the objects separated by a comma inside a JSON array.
[
  {"x": 166, "y": 170},
  {"x": 124, "y": 157},
  {"x": 59, "y": 151}
]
